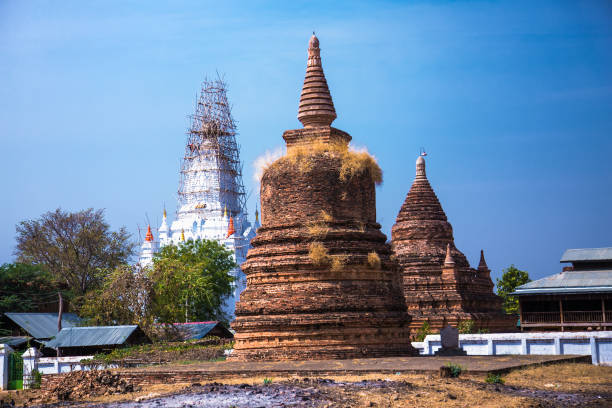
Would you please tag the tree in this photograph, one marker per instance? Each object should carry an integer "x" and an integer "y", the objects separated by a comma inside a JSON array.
[
  {"x": 27, "y": 288},
  {"x": 76, "y": 248},
  {"x": 511, "y": 279},
  {"x": 190, "y": 281},
  {"x": 124, "y": 298}
]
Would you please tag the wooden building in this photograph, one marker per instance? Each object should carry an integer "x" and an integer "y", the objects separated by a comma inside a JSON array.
[{"x": 578, "y": 298}]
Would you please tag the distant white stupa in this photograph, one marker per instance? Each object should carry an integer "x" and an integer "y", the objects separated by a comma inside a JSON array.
[{"x": 211, "y": 197}]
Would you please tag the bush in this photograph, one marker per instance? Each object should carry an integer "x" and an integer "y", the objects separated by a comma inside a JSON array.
[
  {"x": 466, "y": 326},
  {"x": 36, "y": 379},
  {"x": 455, "y": 369},
  {"x": 267, "y": 381},
  {"x": 423, "y": 331},
  {"x": 494, "y": 379}
]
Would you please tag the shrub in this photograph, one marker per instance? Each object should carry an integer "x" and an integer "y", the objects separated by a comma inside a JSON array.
[
  {"x": 318, "y": 254},
  {"x": 36, "y": 379},
  {"x": 466, "y": 326},
  {"x": 455, "y": 369},
  {"x": 423, "y": 331},
  {"x": 267, "y": 381},
  {"x": 373, "y": 260},
  {"x": 494, "y": 379}
]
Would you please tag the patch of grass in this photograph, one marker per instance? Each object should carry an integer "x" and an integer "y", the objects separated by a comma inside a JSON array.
[
  {"x": 165, "y": 351},
  {"x": 352, "y": 163},
  {"x": 318, "y": 254},
  {"x": 455, "y": 369},
  {"x": 267, "y": 381},
  {"x": 317, "y": 230},
  {"x": 494, "y": 379},
  {"x": 373, "y": 260}
]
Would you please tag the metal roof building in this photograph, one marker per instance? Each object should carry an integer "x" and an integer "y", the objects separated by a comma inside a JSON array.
[
  {"x": 96, "y": 338},
  {"x": 42, "y": 325},
  {"x": 577, "y": 298},
  {"x": 199, "y": 330}
]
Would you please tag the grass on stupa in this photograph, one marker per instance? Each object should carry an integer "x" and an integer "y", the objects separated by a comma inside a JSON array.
[{"x": 352, "y": 162}]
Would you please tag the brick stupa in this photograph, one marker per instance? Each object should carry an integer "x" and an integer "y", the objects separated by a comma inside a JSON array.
[
  {"x": 439, "y": 285},
  {"x": 320, "y": 280}
]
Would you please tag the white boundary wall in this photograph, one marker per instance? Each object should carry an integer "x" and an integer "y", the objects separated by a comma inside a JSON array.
[{"x": 596, "y": 344}]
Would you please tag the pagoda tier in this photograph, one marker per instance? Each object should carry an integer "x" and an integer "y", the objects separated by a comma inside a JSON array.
[
  {"x": 440, "y": 287},
  {"x": 321, "y": 283}
]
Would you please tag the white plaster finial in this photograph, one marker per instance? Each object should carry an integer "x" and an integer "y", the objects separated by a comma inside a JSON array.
[
  {"x": 449, "y": 261},
  {"x": 420, "y": 167}
]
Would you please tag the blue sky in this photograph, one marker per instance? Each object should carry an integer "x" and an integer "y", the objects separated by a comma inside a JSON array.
[{"x": 512, "y": 100}]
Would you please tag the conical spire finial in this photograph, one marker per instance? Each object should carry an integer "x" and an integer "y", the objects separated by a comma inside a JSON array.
[
  {"x": 256, "y": 215},
  {"x": 182, "y": 234},
  {"x": 149, "y": 236},
  {"x": 449, "y": 261},
  {"x": 482, "y": 264},
  {"x": 165, "y": 215},
  {"x": 316, "y": 105},
  {"x": 231, "y": 229}
]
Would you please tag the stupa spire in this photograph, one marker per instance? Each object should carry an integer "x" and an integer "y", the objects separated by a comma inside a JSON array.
[
  {"x": 231, "y": 229},
  {"x": 316, "y": 105},
  {"x": 149, "y": 236},
  {"x": 449, "y": 261},
  {"x": 482, "y": 264}
]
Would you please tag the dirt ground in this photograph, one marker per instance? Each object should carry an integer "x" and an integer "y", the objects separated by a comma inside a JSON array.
[{"x": 569, "y": 384}]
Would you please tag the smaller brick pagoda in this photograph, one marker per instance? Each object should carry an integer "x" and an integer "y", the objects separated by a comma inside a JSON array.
[{"x": 440, "y": 287}]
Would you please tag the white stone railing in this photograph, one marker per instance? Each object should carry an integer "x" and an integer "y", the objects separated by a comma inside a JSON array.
[{"x": 596, "y": 344}]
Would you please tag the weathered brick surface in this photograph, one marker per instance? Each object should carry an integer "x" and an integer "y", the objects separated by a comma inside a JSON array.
[
  {"x": 434, "y": 293},
  {"x": 295, "y": 308}
]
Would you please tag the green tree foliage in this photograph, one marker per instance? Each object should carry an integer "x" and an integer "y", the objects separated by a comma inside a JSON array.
[
  {"x": 26, "y": 288},
  {"x": 76, "y": 248},
  {"x": 124, "y": 298},
  {"x": 190, "y": 281},
  {"x": 510, "y": 280}
]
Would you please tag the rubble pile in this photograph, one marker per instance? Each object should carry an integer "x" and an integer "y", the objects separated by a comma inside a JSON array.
[{"x": 80, "y": 385}]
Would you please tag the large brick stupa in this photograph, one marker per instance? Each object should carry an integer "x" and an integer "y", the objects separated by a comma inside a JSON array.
[
  {"x": 440, "y": 287},
  {"x": 321, "y": 283}
]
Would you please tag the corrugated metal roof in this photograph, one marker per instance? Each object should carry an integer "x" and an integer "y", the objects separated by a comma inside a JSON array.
[
  {"x": 91, "y": 336},
  {"x": 14, "y": 341},
  {"x": 569, "y": 282},
  {"x": 43, "y": 325},
  {"x": 198, "y": 330},
  {"x": 587, "y": 254}
]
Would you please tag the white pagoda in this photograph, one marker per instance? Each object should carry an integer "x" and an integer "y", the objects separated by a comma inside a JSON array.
[{"x": 211, "y": 197}]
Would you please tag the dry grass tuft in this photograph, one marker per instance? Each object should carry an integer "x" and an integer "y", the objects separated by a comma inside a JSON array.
[
  {"x": 353, "y": 163},
  {"x": 318, "y": 254},
  {"x": 338, "y": 262},
  {"x": 358, "y": 163},
  {"x": 374, "y": 260},
  {"x": 325, "y": 216},
  {"x": 317, "y": 230}
]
